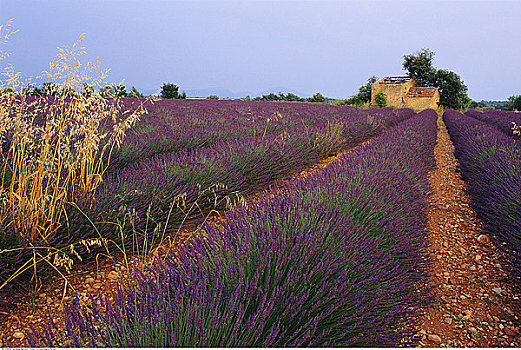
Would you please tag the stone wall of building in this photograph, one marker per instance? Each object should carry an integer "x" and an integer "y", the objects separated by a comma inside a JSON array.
[
  {"x": 394, "y": 92},
  {"x": 421, "y": 103},
  {"x": 401, "y": 92}
]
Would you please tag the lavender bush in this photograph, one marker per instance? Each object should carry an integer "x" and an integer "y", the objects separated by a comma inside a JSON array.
[
  {"x": 503, "y": 120},
  {"x": 187, "y": 158},
  {"x": 336, "y": 259},
  {"x": 175, "y": 125},
  {"x": 490, "y": 163}
]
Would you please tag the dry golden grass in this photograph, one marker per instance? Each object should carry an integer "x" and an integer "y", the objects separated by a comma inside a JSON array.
[{"x": 46, "y": 165}]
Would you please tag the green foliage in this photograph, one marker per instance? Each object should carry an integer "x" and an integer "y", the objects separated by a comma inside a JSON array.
[
  {"x": 364, "y": 92},
  {"x": 87, "y": 90},
  {"x": 113, "y": 90},
  {"x": 453, "y": 91},
  {"x": 169, "y": 90},
  {"x": 419, "y": 67},
  {"x": 135, "y": 93},
  {"x": 293, "y": 97},
  {"x": 120, "y": 90},
  {"x": 514, "y": 103},
  {"x": 502, "y": 105},
  {"x": 270, "y": 97},
  {"x": 32, "y": 90},
  {"x": 317, "y": 98},
  {"x": 473, "y": 104},
  {"x": 50, "y": 89},
  {"x": 290, "y": 97},
  {"x": 380, "y": 100},
  {"x": 212, "y": 97}
]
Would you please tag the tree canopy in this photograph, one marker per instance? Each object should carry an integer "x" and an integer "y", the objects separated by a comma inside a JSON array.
[
  {"x": 453, "y": 91},
  {"x": 169, "y": 90},
  {"x": 514, "y": 103}
]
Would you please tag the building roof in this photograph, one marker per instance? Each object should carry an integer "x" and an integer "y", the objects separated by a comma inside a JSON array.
[
  {"x": 421, "y": 92},
  {"x": 395, "y": 80}
]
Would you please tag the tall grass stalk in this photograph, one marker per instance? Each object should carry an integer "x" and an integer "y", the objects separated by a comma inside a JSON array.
[{"x": 55, "y": 149}]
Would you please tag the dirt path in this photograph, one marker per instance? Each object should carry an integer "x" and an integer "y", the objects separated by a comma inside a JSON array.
[{"x": 473, "y": 305}]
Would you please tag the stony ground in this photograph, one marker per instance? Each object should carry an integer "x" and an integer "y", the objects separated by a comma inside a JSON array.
[{"x": 473, "y": 305}]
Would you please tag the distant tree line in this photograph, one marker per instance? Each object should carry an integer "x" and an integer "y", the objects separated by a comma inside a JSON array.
[
  {"x": 501, "y": 105},
  {"x": 53, "y": 89},
  {"x": 290, "y": 97},
  {"x": 168, "y": 90}
]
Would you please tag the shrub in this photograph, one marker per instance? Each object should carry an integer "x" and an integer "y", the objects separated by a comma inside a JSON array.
[{"x": 380, "y": 100}]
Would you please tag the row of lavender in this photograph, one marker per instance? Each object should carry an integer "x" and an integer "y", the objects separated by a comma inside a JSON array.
[
  {"x": 336, "y": 259},
  {"x": 181, "y": 125},
  {"x": 490, "y": 163},
  {"x": 503, "y": 120},
  {"x": 184, "y": 186},
  {"x": 139, "y": 199}
]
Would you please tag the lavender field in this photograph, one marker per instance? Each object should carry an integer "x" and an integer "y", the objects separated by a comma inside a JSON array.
[
  {"x": 224, "y": 174},
  {"x": 186, "y": 158},
  {"x": 337, "y": 258}
]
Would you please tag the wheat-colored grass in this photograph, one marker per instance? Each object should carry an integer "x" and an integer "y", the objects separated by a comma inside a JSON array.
[{"x": 45, "y": 166}]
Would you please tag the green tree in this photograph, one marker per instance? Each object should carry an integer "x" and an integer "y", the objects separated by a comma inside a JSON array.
[
  {"x": 363, "y": 95},
  {"x": 473, "y": 104},
  {"x": 87, "y": 90},
  {"x": 32, "y": 90},
  {"x": 294, "y": 98},
  {"x": 169, "y": 90},
  {"x": 419, "y": 67},
  {"x": 212, "y": 97},
  {"x": 364, "y": 91},
  {"x": 514, "y": 103},
  {"x": 453, "y": 91},
  {"x": 380, "y": 100},
  {"x": 120, "y": 90},
  {"x": 318, "y": 97},
  {"x": 113, "y": 90},
  {"x": 106, "y": 91}
]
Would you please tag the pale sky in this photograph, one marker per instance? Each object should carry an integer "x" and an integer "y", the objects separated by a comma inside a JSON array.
[{"x": 330, "y": 47}]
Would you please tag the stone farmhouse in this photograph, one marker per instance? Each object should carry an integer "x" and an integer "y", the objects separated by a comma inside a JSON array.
[{"x": 402, "y": 92}]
